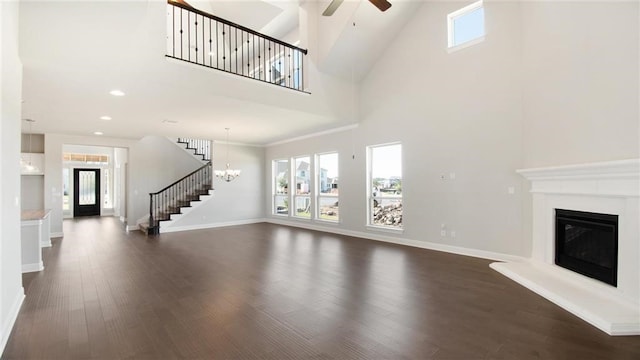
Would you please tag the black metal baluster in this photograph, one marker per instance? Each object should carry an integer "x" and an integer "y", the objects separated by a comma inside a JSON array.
[
  {"x": 150, "y": 210},
  {"x": 203, "y": 43},
  {"x": 270, "y": 62},
  {"x": 289, "y": 83},
  {"x": 195, "y": 32},
  {"x": 300, "y": 71},
  {"x": 189, "y": 33},
  {"x": 242, "y": 54},
  {"x": 181, "y": 36},
  {"x": 217, "y": 49},
  {"x": 173, "y": 26},
  {"x": 236, "y": 41}
]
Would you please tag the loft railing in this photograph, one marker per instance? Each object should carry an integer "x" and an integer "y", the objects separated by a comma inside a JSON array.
[
  {"x": 204, "y": 39},
  {"x": 169, "y": 200},
  {"x": 200, "y": 147}
]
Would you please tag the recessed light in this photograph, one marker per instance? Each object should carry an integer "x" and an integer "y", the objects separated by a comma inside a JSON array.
[
  {"x": 167, "y": 121},
  {"x": 116, "y": 92},
  {"x": 105, "y": 117},
  {"x": 97, "y": 133}
]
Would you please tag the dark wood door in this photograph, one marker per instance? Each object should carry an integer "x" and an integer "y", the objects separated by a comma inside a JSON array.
[{"x": 86, "y": 192}]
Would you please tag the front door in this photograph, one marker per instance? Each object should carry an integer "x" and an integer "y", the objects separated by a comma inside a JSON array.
[{"x": 86, "y": 192}]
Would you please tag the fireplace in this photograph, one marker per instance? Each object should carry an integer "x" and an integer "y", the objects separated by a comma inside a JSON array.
[
  {"x": 598, "y": 238},
  {"x": 587, "y": 243}
]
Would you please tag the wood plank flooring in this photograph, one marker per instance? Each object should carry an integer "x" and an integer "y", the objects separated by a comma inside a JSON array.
[{"x": 271, "y": 292}]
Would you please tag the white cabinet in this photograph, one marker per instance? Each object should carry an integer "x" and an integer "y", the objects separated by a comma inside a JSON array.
[
  {"x": 32, "y": 164},
  {"x": 35, "y": 234}
]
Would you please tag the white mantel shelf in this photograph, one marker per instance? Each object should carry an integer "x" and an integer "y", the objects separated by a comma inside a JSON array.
[{"x": 611, "y": 187}]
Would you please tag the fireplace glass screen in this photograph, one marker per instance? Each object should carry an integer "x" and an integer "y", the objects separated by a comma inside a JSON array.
[{"x": 587, "y": 243}]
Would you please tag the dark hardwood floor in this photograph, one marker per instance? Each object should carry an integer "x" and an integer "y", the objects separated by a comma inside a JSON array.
[{"x": 271, "y": 292}]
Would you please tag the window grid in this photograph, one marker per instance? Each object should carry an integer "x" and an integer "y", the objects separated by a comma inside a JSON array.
[
  {"x": 384, "y": 186},
  {"x": 327, "y": 203}
]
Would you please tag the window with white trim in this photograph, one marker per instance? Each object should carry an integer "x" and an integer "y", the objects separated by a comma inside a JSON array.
[
  {"x": 466, "y": 26},
  {"x": 281, "y": 187},
  {"x": 302, "y": 194},
  {"x": 384, "y": 185},
  {"x": 327, "y": 187}
]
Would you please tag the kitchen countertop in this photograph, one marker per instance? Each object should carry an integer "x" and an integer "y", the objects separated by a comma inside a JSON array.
[{"x": 30, "y": 215}]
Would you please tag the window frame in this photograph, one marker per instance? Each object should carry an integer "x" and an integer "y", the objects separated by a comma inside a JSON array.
[
  {"x": 275, "y": 194},
  {"x": 452, "y": 17},
  {"x": 293, "y": 208},
  {"x": 370, "y": 197},
  {"x": 318, "y": 193}
]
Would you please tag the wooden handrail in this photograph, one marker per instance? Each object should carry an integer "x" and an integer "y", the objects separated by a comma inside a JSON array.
[
  {"x": 184, "y": 177},
  {"x": 182, "y": 4}
]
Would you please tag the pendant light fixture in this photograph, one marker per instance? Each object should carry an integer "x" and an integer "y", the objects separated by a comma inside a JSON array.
[
  {"x": 29, "y": 166},
  {"x": 227, "y": 174}
]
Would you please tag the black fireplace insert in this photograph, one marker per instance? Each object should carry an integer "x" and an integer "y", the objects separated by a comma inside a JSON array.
[{"x": 587, "y": 243}]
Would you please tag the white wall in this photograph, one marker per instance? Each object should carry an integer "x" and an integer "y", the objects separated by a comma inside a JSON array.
[
  {"x": 458, "y": 112},
  {"x": 11, "y": 291},
  {"x": 581, "y": 81},
  {"x": 32, "y": 192},
  {"x": 121, "y": 159},
  {"x": 237, "y": 201}
]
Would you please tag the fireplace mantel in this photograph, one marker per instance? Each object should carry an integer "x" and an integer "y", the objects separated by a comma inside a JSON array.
[{"x": 611, "y": 187}]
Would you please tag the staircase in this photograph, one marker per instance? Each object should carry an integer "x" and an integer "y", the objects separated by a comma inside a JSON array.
[
  {"x": 201, "y": 148},
  {"x": 188, "y": 192}
]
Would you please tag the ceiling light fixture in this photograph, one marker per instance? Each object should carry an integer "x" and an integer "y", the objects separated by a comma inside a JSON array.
[
  {"x": 116, "y": 92},
  {"x": 98, "y": 133},
  {"x": 106, "y": 118},
  {"x": 227, "y": 174}
]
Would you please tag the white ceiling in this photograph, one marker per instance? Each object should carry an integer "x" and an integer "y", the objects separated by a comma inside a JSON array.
[{"x": 74, "y": 53}]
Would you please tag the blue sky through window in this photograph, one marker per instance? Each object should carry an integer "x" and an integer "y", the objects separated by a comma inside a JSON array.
[{"x": 469, "y": 26}]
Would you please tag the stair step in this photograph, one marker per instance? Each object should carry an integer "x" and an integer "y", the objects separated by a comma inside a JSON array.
[{"x": 149, "y": 230}]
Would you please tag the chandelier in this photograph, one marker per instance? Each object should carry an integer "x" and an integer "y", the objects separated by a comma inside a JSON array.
[{"x": 227, "y": 174}]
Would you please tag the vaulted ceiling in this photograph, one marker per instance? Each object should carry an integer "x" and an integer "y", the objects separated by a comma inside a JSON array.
[{"x": 74, "y": 53}]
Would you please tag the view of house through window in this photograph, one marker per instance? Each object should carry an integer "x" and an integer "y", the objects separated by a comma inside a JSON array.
[
  {"x": 327, "y": 176},
  {"x": 302, "y": 196},
  {"x": 281, "y": 187},
  {"x": 385, "y": 185}
]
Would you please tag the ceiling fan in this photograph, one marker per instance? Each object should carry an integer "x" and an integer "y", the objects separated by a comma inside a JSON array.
[{"x": 383, "y": 5}]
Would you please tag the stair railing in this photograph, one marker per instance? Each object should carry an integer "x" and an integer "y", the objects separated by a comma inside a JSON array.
[
  {"x": 200, "y": 38},
  {"x": 180, "y": 193},
  {"x": 199, "y": 146}
]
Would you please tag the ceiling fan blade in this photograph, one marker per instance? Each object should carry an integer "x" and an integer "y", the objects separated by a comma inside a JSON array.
[
  {"x": 383, "y": 5},
  {"x": 332, "y": 7}
]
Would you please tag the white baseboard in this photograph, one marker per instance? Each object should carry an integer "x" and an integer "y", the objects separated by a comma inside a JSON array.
[
  {"x": 54, "y": 235},
  {"x": 401, "y": 241},
  {"x": 210, "y": 225},
  {"x": 122, "y": 219},
  {"x": 5, "y": 331},
  {"x": 32, "y": 267},
  {"x": 132, "y": 227},
  {"x": 45, "y": 243}
]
